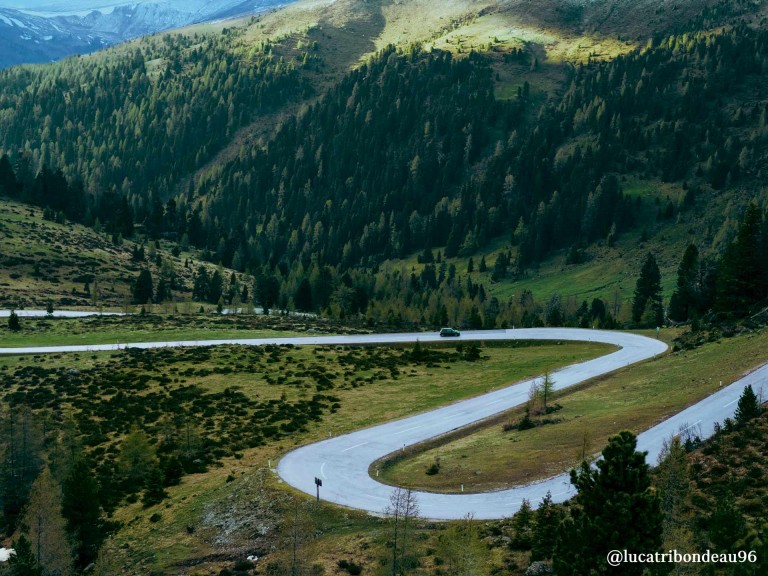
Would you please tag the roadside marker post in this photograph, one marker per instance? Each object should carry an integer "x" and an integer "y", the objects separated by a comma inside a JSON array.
[{"x": 318, "y": 483}]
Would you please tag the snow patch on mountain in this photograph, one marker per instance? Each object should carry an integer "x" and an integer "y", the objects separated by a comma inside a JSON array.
[{"x": 81, "y": 26}]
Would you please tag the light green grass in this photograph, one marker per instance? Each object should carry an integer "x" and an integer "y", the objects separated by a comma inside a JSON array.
[{"x": 137, "y": 335}]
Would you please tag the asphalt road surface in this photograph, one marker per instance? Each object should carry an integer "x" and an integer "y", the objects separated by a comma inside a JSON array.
[
  {"x": 342, "y": 462},
  {"x": 56, "y": 313}
]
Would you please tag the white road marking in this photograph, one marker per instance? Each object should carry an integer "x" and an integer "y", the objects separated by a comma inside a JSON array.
[
  {"x": 322, "y": 471},
  {"x": 355, "y": 446},
  {"x": 690, "y": 426},
  {"x": 408, "y": 430},
  {"x": 731, "y": 402},
  {"x": 495, "y": 402}
]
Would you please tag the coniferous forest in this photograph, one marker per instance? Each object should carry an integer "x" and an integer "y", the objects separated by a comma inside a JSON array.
[
  {"x": 412, "y": 187},
  {"x": 445, "y": 168}
]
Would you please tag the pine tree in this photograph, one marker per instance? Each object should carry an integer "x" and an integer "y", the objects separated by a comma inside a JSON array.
[
  {"x": 522, "y": 523},
  {"x": 155, "y": 490},
  {"x": 647, "y": 299},
  {"x": 684, "y": 299},
  {"x": 144, "y": 288},
  {"x": 743, "y": 274},
  {"x": 23, "y": 562},
  {"x": 748, "y": 406},
  {"x": 13, "y": 322},
  {"x": 545, "y": 522},
  {"x": 136, "y": 459},
  {"x": 81, "y": 510},
  {"x": 615, "y": 509},
  {"x": 303, "y": 296}
]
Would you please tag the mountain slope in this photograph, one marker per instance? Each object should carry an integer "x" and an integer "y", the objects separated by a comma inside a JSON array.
[
  {"x": 33, "y": 32},
  {"x": 519, "y": 136}
]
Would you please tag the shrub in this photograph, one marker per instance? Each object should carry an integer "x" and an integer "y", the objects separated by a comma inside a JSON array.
[{"x": 243, "y": 565}]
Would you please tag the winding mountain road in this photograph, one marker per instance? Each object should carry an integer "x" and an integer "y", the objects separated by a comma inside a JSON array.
[{"x": 342, "y": 462}]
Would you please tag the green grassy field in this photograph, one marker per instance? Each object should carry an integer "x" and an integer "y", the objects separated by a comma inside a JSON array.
[
  {"x": 635, "y": 398},
  {"x": 121, "y": 330}
]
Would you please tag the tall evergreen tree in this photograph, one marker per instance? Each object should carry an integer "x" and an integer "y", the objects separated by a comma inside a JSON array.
[
  {"x": 8, "y": 184},
  {"x": 23, "y": 562},
  {"x": 743, "y": 274},
  {"x": 684, "y": 299},
  {"x": 748, "y": 406},
  {"x": 13, "y": 322},
  {"x": 646, "y": 305},
  {"x": 615, "y": 509},
  {"x": 144, "y": 288},
  {"x": 81, "y": 510}
]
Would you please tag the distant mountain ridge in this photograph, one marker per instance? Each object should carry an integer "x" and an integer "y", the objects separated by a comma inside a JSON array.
[{"x": 43, "y": 31}]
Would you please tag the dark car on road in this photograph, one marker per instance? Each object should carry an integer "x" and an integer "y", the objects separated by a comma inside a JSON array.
[{"x": 449, "y": 332}]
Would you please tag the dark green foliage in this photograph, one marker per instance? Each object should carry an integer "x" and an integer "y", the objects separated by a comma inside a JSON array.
[
  {"x": 546, "y": 519},
  {"x": 647, "y": 309},
  {"x": 303, "y": 296},
  {"x": 469, "y": 352},
  {"x": 526, "y": 423},
  {"x": 81, "y": 510},
  {"x": 129, "y": 128},
  {"x": 350, "y": 567},
  {"x": 8, "y": 184},
  {"x": 21, "y": 447},
  {"x": 748, "y": 406},
  {"x": 143, "y": 289},
  {"x": 13, "y": 322},
  {"x": 684, "y": 299},
  {"x": 422, "y": 120},
  {"x": 743, "y": 271},
  {"x": 615, "y": 509},
  {"x": 23, "y": 563},
  {"x": 522, "y": 523},
  {"x": 726, "y": 525},
  {"x": 266, "y": 290}
]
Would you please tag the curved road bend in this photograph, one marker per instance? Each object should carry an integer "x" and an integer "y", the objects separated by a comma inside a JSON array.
[{"x": 342, "y": 462}]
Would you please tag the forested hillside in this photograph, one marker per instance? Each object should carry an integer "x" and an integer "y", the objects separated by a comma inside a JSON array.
[
  {"x": 134, "y": 120},
  {"x": 450, "y": 155}
]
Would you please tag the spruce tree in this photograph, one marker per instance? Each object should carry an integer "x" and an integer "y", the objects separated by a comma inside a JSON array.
[
  {"x": 13, "y": 322},
  {"x": 144, "y": 288},
  {"x": 545, "y": 522},
  {"x": 23, "y": 562},
  {"x": 684, "y": 299},
  {"x": 748, "y": 406},
  {"x": 615, "y": 509},
  {"x": 80, "y": 508},
  {"x": 155, "y": 489},
  {"x": 646, "y": 305},
  {"x": 743, "y": 274}
]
